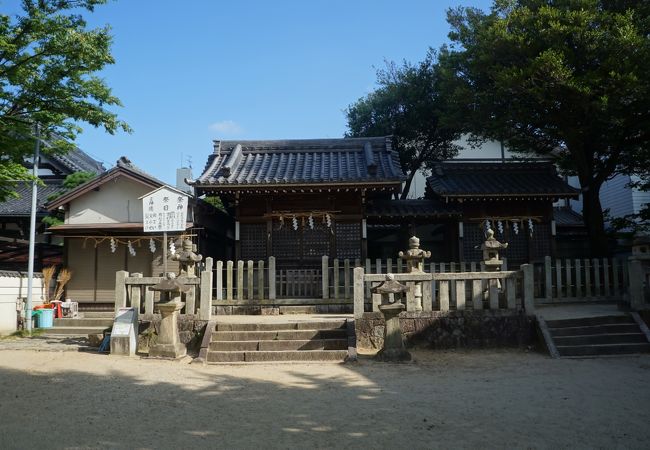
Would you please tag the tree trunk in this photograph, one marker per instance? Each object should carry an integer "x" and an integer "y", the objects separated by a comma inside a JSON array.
[
  {"x": 592, "y": 213},
  {"x": 407, "y": 185}
]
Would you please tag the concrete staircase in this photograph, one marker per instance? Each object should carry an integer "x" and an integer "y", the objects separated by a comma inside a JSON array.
[
  {"x": 279, "y": 341},
  {"x": 595, "y": 336},
  {"x": 82, "y": 326}
]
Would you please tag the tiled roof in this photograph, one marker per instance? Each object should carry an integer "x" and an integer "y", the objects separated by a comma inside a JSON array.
[
  {"x": 123, "y": 167},
  {"x": 411, "y": 208},
  {"x": 22, "y": 205},
  {"x": 313, "y": 161},
  {"x": 77, "y": 161},
  {"x": 566, "y": 217},
  {"x": 529, "y": 179},
  {"x": 73, "y": 161}
]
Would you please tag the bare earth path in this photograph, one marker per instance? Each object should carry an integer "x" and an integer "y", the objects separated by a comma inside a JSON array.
[{"x": 480, "y": 399}]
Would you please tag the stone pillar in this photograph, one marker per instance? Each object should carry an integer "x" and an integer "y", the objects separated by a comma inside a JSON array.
[
  {"x": 394, "y": 349},
  {"x": 169, "y": 344}
]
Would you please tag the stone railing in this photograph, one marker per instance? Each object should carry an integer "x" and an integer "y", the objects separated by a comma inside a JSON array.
[
  {"x": 457, "y": 291},
  {"x": 132, "y": 290}
]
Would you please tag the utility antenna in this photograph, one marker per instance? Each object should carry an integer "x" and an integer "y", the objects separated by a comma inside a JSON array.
[{"x": 189, "y": 161}]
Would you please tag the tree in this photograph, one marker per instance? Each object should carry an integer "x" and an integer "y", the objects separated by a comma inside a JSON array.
[
  {"x": 48, "y": 66},
  {"x": 563, "y": 78},
  {"x": 408, "y": 105},
  {"x": 70, "y": 182}
]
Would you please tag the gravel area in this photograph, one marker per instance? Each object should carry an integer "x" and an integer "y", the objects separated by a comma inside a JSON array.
[{"x": 477, "y": 399}]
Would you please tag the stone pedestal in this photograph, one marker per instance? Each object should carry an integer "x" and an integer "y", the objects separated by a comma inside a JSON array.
[
  {"x": 169, "y": 344},
  {"x": 394, "y": 349}
]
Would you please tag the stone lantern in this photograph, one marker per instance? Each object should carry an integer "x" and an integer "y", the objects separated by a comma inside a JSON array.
[
  {"x": 187, "y": 259},
  {"x": 641, "y": 247},
  {"x": 168, "y": 344},
  {"x": 393, "y": 349},
  {"x": 414, "y": 258},
  {"x": 491, "y": 249}
]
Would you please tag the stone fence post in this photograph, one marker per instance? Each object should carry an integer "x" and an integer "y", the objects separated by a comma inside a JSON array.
[
  {"x": 358, "y": 292},
  {"x": 529, "y": 289},
  {"x": 637, "y": 297},
  {"x": 120, "y": 289},
  {"x": 325, "y": 282},
  {"x": 205, "y": 299},
  {"x": 271, "y": 278}
]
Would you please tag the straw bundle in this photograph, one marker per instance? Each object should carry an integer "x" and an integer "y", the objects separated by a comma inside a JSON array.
[
  {"x": 64, "y": 277},
  {"x": 48, "y": 275}
]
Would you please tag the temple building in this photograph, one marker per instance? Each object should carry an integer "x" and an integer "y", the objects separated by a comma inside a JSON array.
[{"x": 298, "y": 200}]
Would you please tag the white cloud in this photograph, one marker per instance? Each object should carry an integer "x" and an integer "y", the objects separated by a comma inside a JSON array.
[{"x": 228, "y": 127}]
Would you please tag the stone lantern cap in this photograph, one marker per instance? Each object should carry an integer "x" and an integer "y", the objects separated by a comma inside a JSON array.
[
  {"x": 170, "y": 284},
  {"x": 389, "y": 286}
]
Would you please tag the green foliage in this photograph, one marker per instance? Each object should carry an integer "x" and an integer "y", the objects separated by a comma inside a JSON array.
[
  {"x": 76, "y": 179},
  {"x": 408, "y": 105},
  {"x": 71, "y": 181},
  {"x": 48, "y": 61},
  {"x": 566, "y": 79},
  {"x": 215, "y": 201},
  {"x": 52, "y": 221}
]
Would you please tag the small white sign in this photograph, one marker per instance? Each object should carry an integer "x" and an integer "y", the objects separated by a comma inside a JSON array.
[
  {"x": 164, "y": 209},
  {"x": 121, "y": 329}
]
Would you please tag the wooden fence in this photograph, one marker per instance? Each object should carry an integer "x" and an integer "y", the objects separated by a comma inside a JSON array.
[
  {"x": 248, "y": 281},
  {"x": 452, "y": 285},
  {"x": 452, "y": 291},
  {"x": 575, "y": 280}
]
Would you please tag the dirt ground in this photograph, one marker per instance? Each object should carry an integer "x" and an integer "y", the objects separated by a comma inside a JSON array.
[{"x": 478, "y": 399}]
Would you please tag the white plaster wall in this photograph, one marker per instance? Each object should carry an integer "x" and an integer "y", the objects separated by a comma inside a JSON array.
[
  {"x": 116, "y": 201},
  {"x": 12, "y": 288}
]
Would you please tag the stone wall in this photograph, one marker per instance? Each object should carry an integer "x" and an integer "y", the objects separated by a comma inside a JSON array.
[
  {"x": 270, "y": 309},
  {"x": 452, "y": 329},
  {"x": 190, "y": 331}
]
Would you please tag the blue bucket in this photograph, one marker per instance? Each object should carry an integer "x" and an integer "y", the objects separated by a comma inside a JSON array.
[{"x": 45, "y": 318}]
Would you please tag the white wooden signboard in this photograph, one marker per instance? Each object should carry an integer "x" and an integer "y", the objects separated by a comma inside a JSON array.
[{"x": 164, "y": 209}]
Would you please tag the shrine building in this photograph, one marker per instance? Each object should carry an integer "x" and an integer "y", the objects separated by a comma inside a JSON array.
[{"x": 299, "y": 200}]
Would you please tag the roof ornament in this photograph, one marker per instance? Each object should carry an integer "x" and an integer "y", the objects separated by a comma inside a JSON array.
[{"x": 232, "y": 161}]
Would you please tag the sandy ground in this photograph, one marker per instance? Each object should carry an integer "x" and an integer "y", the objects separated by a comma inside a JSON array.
[{"x": 479, "y": 399}]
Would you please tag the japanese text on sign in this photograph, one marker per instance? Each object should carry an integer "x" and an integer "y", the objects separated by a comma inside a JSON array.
[{"x": 164, "y": 210}]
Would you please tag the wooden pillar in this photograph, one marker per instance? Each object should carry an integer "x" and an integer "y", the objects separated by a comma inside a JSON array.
[
  {"x": 364, "y": 239},
  {"x": 461, "y": 236}
]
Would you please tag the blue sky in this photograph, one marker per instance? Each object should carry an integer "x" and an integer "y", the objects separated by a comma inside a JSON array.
[{"x": 192, "y": 71}]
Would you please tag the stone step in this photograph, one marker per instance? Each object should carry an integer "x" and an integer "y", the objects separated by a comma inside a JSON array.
[
  {"x": 268, "y": 356},
  {"x": 593, "y": 339},
  {"x": 595, "y": 329},
  {"x": 590, "y": 321},
  {"x": 301, "y": 335},
  {"x": 83, "y": 322},
  {"x": 298, "y": 309},
  {"x": 73, "y": 331},
  {"x": 323, "y": 325},
  {"x": 315, "y": 344},
  {"x": 603, "y": 349},
  {"x": 97, "y": 314}
]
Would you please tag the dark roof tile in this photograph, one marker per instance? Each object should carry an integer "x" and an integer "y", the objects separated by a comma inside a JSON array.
[
  {"x": 530, "y": 179},
  {"x": 411, "y": 208},
  {"x": 302, "y": 161}
]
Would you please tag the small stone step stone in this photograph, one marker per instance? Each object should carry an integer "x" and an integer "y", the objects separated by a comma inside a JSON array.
[
  {"x": 598, "y": 336},
  {"x": 275, "y": 356},
  {"x": 279, "y": 342}
]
